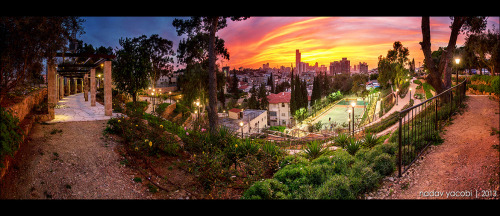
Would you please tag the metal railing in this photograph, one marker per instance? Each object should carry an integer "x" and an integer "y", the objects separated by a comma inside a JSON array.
[{"x": 419, "y": 124}]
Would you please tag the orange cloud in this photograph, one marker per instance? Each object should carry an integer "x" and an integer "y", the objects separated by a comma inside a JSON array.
[{"x": 274, "y": 40}]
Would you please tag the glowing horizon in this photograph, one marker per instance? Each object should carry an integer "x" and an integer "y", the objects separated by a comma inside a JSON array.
[{"x": 273, "y": 40}]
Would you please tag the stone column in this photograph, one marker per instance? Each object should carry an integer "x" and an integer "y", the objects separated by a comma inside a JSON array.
[
  {"x": 92, "y": 87},
  {"x": 68, "y": 83},
  {"x": 85, "y": 87},
  {"x": 73, "y": 85},
  {"x": 57, "y": 87},
  {"x": 108, "y": 107},
  {"x": 61, "y": 87},
  {"x": 81, "y": 84},
  {"x": 51, "y": 87}
]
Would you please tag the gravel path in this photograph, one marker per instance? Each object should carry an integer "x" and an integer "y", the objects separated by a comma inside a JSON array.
[
  {"x": 70, "y": 160},
  {"x": 465, "y": 166}
]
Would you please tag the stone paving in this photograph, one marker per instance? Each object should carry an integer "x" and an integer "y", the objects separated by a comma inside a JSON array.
[{"x": 75, "y": 108}]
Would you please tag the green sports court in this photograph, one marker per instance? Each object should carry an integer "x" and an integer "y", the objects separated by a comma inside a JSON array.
[{"x": 339, "y": 113}]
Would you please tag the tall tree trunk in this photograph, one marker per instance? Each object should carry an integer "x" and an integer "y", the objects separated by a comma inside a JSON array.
[
  {"x": 435, "y": 74},
  {"x": 212, "y": 79}
]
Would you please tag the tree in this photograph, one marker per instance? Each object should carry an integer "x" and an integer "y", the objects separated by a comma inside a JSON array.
[
  {"x": 25, "y": 42},
  {"x": 234, "y": 84},
  {"x": 210, "y": 25},
  {"x": 436, "y": 71},
  {"x": 132, "y": 66},
  {"x": 484, "y": 48},
  {"x": 391, "y": 68},
  {"x": 300, "y": 114},
  {"x": 161, "y": 55},
  {"x": 253, "y": 103},
  {"x": 262, "y": 94}
]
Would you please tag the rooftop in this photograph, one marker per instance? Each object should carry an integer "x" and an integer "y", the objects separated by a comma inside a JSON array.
[
  {"x": 248, "y": 115},
  {"x": 282, "y": 97}
]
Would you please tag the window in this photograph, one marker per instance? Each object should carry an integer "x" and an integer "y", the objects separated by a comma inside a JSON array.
[
  {"x": 282, "y": 114},
  {"x": 282, "y": 104}
]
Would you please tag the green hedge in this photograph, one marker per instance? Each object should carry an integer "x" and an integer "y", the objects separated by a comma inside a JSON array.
[
  {"x": 427, "y": 88},
  {"x": 9, "y": 133},
  {"x": 336, "y": 175}
]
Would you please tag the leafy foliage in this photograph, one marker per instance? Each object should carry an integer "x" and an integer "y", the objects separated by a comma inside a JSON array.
[{"x": 10, "y": 134}]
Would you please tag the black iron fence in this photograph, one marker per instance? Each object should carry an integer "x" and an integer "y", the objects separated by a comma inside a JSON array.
[{"x": 419, "y": 124}]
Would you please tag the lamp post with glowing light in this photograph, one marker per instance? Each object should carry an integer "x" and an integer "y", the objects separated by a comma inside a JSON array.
[
  {"x": 349, "y": 119},
  {"x": 241, "y": 125},
  {"x": 410, "y": 93},
  {"x": 397, "y": 96},
  {"x": 153, "y": 100},
  {"x": 353, "y": 104},
  {"x": 457, "y": 61}
]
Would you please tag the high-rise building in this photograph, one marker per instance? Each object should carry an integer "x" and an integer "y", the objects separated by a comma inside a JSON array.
[
  {"x": 345, "y": 65},
  {"x": 297, "y": 61},
  {"x": 363, "y": 67}
]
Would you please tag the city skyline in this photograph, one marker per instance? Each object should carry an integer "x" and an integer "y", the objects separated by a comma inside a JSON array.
[{"x": 274, "y": 40}]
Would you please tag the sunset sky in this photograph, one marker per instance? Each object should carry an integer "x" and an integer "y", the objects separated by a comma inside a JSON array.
[{"x": 273, "y": 40}]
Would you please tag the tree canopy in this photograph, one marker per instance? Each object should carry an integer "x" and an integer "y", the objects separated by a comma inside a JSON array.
[{"x": 25, "y": 42}]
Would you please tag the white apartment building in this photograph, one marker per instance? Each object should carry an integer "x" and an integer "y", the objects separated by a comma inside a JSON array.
[{"x": 279, "y": 109}]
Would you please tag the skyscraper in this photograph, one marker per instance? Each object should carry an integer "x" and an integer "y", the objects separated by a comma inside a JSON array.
[{"x": 297, "y": 61}]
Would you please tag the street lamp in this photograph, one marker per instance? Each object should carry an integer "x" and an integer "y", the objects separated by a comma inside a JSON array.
[
  {"x": 153, "y": 100},
  {"x": 397, "y": 96},
  {"x": 353, "y": 104},
  {"x": 410, "y": 93},
  {"x": 349, "y": 119},
  {"x": 170, "y": 96},
  {"x": 198, "y": 105},
  {"x": 241, "y": 125},
  {"x": 457, "y": 61}
]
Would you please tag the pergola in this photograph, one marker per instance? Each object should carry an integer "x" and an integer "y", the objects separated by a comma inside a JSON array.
[{"x": 71, "y": 73}]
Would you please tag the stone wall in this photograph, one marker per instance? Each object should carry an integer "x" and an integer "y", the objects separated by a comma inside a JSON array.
[
  {"x": 22, "y": 111},
  {"x": 169, "y": 110},
  {"x": 23, "y": 108}
]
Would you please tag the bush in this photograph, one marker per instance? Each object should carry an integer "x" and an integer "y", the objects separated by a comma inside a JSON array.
[
  {"x": 278, "y": 128},
  {"x": 267, "y": 189},
  {"x": 337, "y": 187},
  {"x": 370, "y": 140},
  {"x": 136, "y": 109},
  {"x": 10, "y": 134},
  {"x": 341, "y": 140},
  {"x": 314, "y": 149},
  {"x": 353, "y": 146},
  {"x": 363, "y": 178},
  {"x": 384, "y": 164}
]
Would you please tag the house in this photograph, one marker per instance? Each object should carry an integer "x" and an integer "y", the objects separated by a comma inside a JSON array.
[
  {"x": 279, "y": 109},
  {"x": 249, "y": 121}
]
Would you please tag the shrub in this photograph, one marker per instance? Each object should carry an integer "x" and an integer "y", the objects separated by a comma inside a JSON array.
[
  {"x": 10, "y": 134},
  {"x": 384, "y": 164},
  {"x": 342, "y": 161},
  {"x": 363, "y": 178},
  {"x": 370, "y": 140},
  {"x": 337, "y": 187},
  {"x": 314, "y": 149},
  {"x": 136, "y": 109},
  {"x": 293, "y": 160},
  {"x": 341, "y": 140},
  {"x": 353, "y": 146},
  {"x": 267, "y": 189}
]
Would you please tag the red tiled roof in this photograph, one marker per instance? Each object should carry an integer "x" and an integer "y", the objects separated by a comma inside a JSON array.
[
  {"x": 282, "y": 97},
  {"x": 236, "y": 110},
  {"x": 243, "y": 87}
]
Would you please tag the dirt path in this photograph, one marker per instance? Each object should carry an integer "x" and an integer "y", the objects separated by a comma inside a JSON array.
[
  {"x": 70, "y": 160},
  {"x": 465, "y": 166}
]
